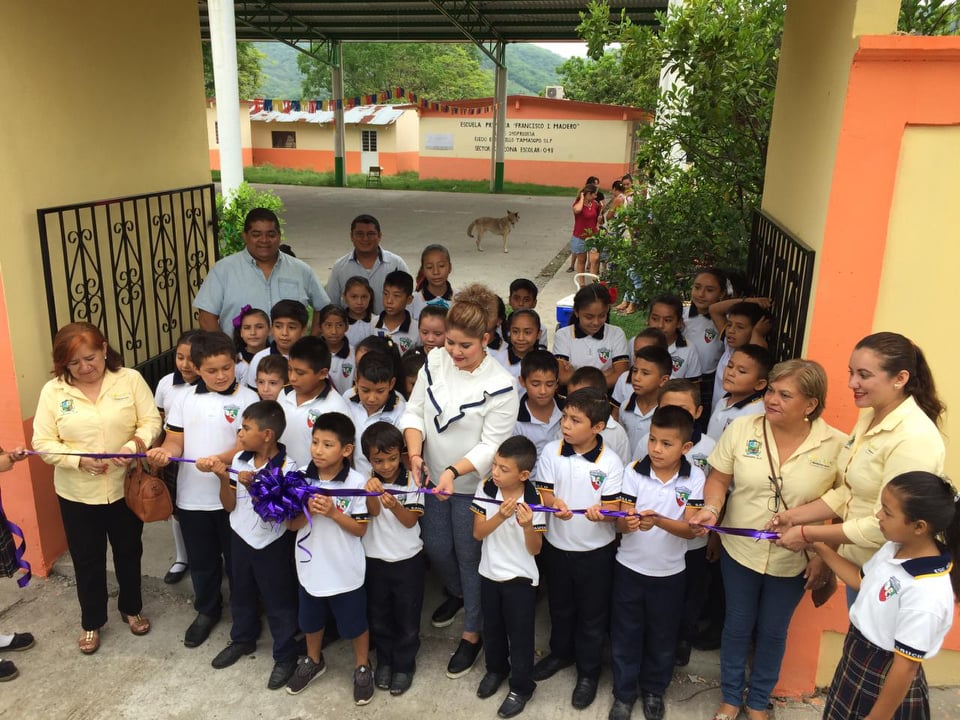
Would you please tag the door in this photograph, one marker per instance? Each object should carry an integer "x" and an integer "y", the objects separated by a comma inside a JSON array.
[{"x": 369, "y": 155}]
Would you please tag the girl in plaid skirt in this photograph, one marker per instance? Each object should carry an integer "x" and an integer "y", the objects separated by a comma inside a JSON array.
[{"x": 904, "y": 608}]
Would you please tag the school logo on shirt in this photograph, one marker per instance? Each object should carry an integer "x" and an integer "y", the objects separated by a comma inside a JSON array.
[
  {"x": 603, "y": 354},
  {"x": 850, "y": 441},
  {"x": 67, "y": 407},
  {"x": 700, "y": 461},
  {"x": 346, "y": 369},
  {"x": 231, "y": 413},
  {"x": 341, "y": 503},
  {"x": 312, "y": 418},
  {"x": 890, "y": 588},
  {"x": 677, "y": 362},
  {"x": 709, "y": 335},
  {"x": 753, "y": 448},
  {"x": 596, "y": 478},
  {"x": 683, "y": 494},
  {"x": 405, "y": 343}
]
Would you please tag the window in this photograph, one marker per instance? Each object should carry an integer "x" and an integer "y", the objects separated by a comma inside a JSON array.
[
  {"x": 368, "y": 140},
  {"x": 284, "y": 139},
  {"x": 216, "y": 131}
]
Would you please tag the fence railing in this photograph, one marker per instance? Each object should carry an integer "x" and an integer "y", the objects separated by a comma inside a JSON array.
[
  {"x": 780, "y": 266},
  {"x": 131, "y": 266}
]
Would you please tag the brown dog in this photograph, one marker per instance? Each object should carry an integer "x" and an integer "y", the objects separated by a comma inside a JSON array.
[{"x": 499, "y": 226}]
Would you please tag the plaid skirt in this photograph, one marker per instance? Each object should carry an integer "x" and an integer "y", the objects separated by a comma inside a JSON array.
[{"x": 859, "y": 677}]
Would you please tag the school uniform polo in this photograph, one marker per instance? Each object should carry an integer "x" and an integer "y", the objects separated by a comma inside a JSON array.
[
  {"x": 718, "y": 379},
  {"x": 636, "y": 422},
  {"x": 726, "y": 412},
  {"x": 358, "y": 330},
  {"x": 514, "y": 361},
  {"x": 616, "y": 439},
  {"x": 406, "y": 335},
  {"x": 702, "y": 335},
  {"x": 242, "y": 368},
  {"x": 250, "y": 527},
  {"x": 905, "y": 440},
  {"x": 656, "y": 552},
  {"x": 703, "y": 445},
  {"x": 209, "y": 421},
  {"x": 301, "y": 418},
  {"x": 622, "y": 388},
  {"x": 534, "y": 429},
  {"x": 335, "y": 564},
  {"x": 686, "y": 362},
  {"x": 581, "y": 481},
  {"x": 498, "y": 349},
  {"x": 251, "y": 373},
  {"x": 905, "y": 606},
  {"x": 504, "y": 555},
  {"x": 343, "y": 365},
  {"x": 423, "y": 297},
  {"x": 386, "y": 538},
  {"x": 600, "y": 350},
  {"x": 391, "y": 412},
  {"x": 170, "y": 387}
]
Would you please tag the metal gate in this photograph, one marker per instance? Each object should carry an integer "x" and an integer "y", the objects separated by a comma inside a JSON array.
[{"x": 131, "y": 266}]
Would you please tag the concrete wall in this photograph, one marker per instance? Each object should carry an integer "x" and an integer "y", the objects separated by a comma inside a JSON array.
[{"x": 246, "y": 143}]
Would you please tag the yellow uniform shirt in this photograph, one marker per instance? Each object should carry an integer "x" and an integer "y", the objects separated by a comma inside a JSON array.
[
  {"x": 807, "y": 474},
  {"x": 66, "y": 421},
  {"x": 904, "y": 441}
]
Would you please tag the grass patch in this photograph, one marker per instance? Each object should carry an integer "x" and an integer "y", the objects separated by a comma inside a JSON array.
[
  {"x": 267, "y": 174},
  {"x": 630, "y": 324}
]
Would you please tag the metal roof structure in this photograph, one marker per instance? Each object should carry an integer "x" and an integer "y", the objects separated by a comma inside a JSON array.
[{"x": 361, "y": 115}]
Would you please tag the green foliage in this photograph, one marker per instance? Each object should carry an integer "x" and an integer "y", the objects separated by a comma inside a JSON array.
[
  {"x": 281, "y": 76},
  {"x": 230, "y": 216},
  {"x": 249, "y": 73},
  {"x": 529, "y": 68},
  {"x": 929, "y": 17},
  {"x": 609, "y": 80}
]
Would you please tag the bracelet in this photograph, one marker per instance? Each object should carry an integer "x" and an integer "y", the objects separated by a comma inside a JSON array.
[
  {"x": 803, "y": 535},
  {"x": 714, "y": 509},
  {"x": 451, "y": 468}
]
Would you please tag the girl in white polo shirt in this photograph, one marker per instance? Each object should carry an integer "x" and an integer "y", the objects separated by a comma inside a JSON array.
[
  {"x": 904, "y": 608},
  {"x": 591, "y": 341}
]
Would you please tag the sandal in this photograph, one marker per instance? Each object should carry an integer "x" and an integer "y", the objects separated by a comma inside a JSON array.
[
  {"x": 139, "y": 625},
  {"x": 89, "y": 642},
  {"x": 726, "y": 716}
]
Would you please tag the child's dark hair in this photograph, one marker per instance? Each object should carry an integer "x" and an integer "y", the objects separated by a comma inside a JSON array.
[
  {"x": 931, "y": 498},
  {"x": 438, "y": 311},
  {"x": 260, "y": 215},
  {"x": 365, "y": 284},
  {"x": 209, "y": 344},
  {"x": 658, "y": 356},
  {"x": 332, "y": 309},
  {"x": 591, "y": 402},
  {"x": 672, "y": 417},
  {"x": 719, "y": 275},
  {"x": 589, "y": 294},
  {"x": 589, "y": 376},
  {"x": 432, "y": 248},
  {"x": 274, "y": 365},
  {"x": 681, "y": 385},
  {"x": 749, "y": 310},
  {"x": 521, "y": 450},
  {"x": 186, "y": 338},
  {"x": 539, "y": 360},
  {"x": 382, "y": 437},
  {"x": 672, "y": 302},
  {"x": 313, "y": 351},
  {"x": 399, "y": 280},
  {"x": 338, "y": 424},
  {"x": 245, "y": 312},
  {"x": 523, "y": 284},
  {"x": 376, "y": 367},
  {"x": 386, "y": 346},
  {"x": 655, "y": 334},
  {"x": 289, "y": 310},
  {"x": 411, "y": 362},
  {"x": 268, "y": 415},
  {"x": 760, "y": 355},
  {"x": 524, "y": 312},
  {"x": 502, "y": 317},
  {"x": 898, "y": 353}
]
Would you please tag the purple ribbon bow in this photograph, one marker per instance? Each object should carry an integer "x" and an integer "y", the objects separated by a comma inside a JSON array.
[{"x": 238, "y": 320}]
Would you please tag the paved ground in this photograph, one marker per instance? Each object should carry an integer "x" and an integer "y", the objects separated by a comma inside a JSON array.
[{"x": 157, "y": 677}]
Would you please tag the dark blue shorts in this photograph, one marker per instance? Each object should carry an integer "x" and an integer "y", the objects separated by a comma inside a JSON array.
[{"x": 349, "y": 609}]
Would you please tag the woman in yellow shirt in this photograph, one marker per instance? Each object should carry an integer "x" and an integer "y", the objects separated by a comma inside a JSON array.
[
  {"x": 897, "y": 432},
  {"x": 95, "y": 405}
]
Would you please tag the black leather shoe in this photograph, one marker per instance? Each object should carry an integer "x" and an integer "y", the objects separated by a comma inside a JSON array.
[
  {"x": 653, "y": 708},
  {"x": 512, "y": 705},
  {"x": 549, "y": 666},
  {"x": 174, "y": 576},
  {"x": 281, "y": 673},
  {"x": 199, "y": 630},
  {"x": 490, "y": 684},
  {"x": 620, "y": 711},
  {"x": 584, "y": 693},
  {"x": 682, "y": 654},
  {"x": 400, "y": 683},
  {"x": 231, "y": 653},
  {"x": 383, "y": 676}
]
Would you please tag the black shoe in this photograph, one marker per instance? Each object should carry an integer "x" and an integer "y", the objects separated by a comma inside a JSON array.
[
  {"x": 362, "y": 685},
  {"x": 620, "y": 711},
  {"x": 682, "y": 654},
  {"x": 400, "y": 683},
  {"x": 513, "y": 704},
  {"x": 307, "y": 671},
  {"x": 709, "y": 639},
  {"x": 464, "y": 658},
  {"x": 584, "y": 693},
  {"x": 231, "y": 653},
  {"x": 21, "y": 641},
  {"x": 549, "y": 666},
  {"x": 282, "y": 671},
  {"x": 489, "y": 685},
  {"x": 653, "y": 708},
  {"x": 174, "y": 576},
  {"x": 8, "y": 671},
  {"x": 383, "y": 676},
  {"x": 199, "y": 630},
  {"x": 443, "y": 616}
]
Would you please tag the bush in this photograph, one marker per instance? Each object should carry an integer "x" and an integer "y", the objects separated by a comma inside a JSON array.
[{"x": 230, "y": 216}]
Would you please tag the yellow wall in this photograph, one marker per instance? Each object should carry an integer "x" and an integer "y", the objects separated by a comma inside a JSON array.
[
  {"x": 311, "y": 136},
  {"x": 82, "y": 72},
  {"x": 245, "y": 139},
  {"x": 922, "y": 259},
  {"x": 408, "y": 132}
]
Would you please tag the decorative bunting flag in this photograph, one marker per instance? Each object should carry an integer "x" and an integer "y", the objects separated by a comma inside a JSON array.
[{"x": 381, "y": 97}]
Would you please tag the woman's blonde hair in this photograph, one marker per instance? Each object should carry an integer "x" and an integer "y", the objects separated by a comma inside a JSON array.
[
  {"x": 810, "y": 377},
  {"x": 473, "y": 311}
]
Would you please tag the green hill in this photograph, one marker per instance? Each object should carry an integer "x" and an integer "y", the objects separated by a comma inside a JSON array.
[{"x": 281, "y": 76}]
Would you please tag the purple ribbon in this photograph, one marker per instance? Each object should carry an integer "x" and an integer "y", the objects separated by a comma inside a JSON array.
[
  {"x": 238, "y": 320},
  {"x": 20, "y": 550}
]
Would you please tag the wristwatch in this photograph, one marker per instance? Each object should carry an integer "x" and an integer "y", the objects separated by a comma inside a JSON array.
[{"x": 451, "y": 468}]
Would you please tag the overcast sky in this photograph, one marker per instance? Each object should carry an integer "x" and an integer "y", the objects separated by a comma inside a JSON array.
[{"x": 578, "y": 49}]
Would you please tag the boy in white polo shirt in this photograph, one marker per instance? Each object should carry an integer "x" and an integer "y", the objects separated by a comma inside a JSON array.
[
  {"x": 538, "y": 419},
  {"x": 651, "y": 369},
  {"x": 512, "y": 537},
  {"x": 375, "y": 400},
  {"x": 614, "y": 435},
  {"x": 288, "y": 323},
  {"x": 579, "y": 472},
  {"x": 260, "y": 550},
  {"x": 199, "y": 424},
  {"x": 309, "y": 396},
  {"x": 396, "y": 563},
  {"x": 396, "y": 322},
  {"x": 331, "y": 576},
  {"x": 649, "y": 574},
  {"x": 744, "y": 382}
]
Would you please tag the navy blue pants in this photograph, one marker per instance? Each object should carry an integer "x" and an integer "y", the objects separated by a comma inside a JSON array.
[
  {"x": 267, "y": 573},
  {"x": 394, "y": 606},
  {"x": 695, "y": 595},
  {"x": 509, "y": 610},
  {"x": 647, "y": 612},
  {"x": 206, "y": 533}
]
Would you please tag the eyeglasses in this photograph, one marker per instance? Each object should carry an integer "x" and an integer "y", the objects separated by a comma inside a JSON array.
[{"x": 774, "y": 503}]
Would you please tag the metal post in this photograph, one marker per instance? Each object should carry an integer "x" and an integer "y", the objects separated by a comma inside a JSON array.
[
  {"x": 499, "y": 121},
  {"x": 223, "y": 47},
  {"x": 339, "y": 145}
]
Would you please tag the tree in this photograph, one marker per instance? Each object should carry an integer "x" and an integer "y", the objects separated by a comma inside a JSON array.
[
  {"x": 929, "y": 17},
  {"x": 609, "y": 80},
  {"x": 249, "y": 74},
  {"x": 443, "y": 71}
]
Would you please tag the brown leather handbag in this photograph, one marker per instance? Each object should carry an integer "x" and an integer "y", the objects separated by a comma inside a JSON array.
[{"x": 146, "y": 494}]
